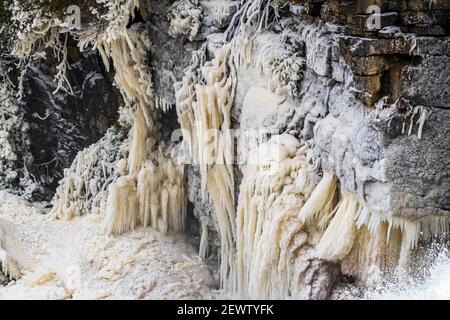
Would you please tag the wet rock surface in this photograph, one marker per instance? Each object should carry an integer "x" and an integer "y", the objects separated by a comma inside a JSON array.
[{"x": 61, "y": 124}]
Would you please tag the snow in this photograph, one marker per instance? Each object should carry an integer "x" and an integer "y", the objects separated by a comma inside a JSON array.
[
  {"x": 185, "y": 18},
  {"x": 76, "y": 260},
  {"x": 149, "y": 189}
]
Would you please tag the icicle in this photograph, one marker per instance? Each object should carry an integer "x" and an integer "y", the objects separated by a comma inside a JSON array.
[
  {"x": 321, "y": 199},
  {"x": 421, "y": 122},
  {"x": 423, "y": 117},
  {"x": 138, "y": 152},
  {"x": 148, "y": 202},
  {"x": 269, "y": 234},
  {"x": 337, "y": 241},
  {"x": 122, "y": 212},
  {"x": 204, "y": 111},
  {"x": 203, "y": 249}
]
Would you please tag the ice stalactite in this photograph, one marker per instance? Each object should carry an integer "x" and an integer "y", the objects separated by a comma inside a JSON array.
[
  {"x": 204, "y": 111},
  {"x": 412, "y": 231},
  {"x": 152, "y": 192},
  {"x": 162, "y": 104},
  {"x": 369, "y": 245},
  {"x": 122, "y": 213},
  {"x": 410, "y": 116},
  {"x": 338, "y": 238},
  {"x": 274, "y": 249},
  {"x": 155, "y": 199},
  {"x": 320, "y": 200},
  {"x": 203, "y": 248},
  {"x": 373, "y": 254},
  {"x": 138, "y": 148},
  {"x": 9, "y": 266}
]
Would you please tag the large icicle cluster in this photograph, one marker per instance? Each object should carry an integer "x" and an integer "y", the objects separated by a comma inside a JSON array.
[
  {"x": 204, "y": 111},
  {"x": 204, "y": 100},
  {"x": 146, "y": 187},
  {"x": 152, "y": 190},
  {"x": 289, "y": 220},
  {"x": 275, "y": 258},
  {"x": 369, "y": 245}
]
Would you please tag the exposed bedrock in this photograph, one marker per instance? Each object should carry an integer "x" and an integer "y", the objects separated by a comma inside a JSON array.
[{"x": 62, "y": 124}]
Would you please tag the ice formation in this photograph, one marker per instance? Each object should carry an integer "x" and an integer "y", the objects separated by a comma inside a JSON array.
[
  {"x": 411, "y": 115},
  {"x": 337, "y": 240},
  {"x": 84, "y": 186},
  {"x": 286, "y": 210},
  {"x": 269, "y": 232},
  {"x": 205, "y": 97},
  {"x": 11, "y": 120},
  {"x": 151, "y": 194},
  {"x": 8, "y": 265},
  {"x": 14, "y": 137},
  {"x": 147, "y": 188},
  {"x": 369, "y": 245},
  {"x": 185, "y": 18},
  {"x": 203, "y": 247},
  {"x": 204, "y": 111}
]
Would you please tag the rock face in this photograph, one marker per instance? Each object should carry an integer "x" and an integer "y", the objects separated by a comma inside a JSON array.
[{"x": 62, "y": 124}]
